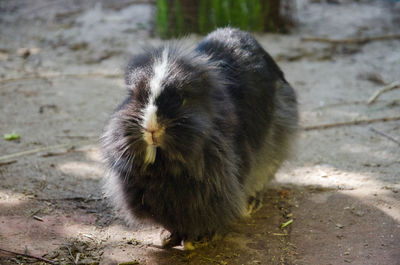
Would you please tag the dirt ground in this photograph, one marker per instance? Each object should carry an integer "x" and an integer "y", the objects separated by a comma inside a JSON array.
[{"x": 61, "y": 76}]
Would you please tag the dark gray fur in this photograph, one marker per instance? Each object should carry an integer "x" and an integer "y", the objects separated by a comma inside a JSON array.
[{"x": 220, "y": 148}]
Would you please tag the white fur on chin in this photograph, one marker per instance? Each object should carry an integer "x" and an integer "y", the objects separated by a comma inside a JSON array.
[{"x": 151, "y": 152}]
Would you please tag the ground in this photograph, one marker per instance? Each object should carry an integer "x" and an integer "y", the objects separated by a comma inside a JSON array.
[{"x": 61, "y": 65}]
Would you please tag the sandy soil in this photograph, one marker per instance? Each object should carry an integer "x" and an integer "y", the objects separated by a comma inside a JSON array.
[{"x": 61, "y": 75}]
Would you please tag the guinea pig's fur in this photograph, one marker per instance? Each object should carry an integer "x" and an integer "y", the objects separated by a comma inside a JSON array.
[{"x": 199, "y": 135}]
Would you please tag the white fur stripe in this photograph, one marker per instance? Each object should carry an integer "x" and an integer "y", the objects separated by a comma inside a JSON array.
[
  {"x": 160, "y": 71},
  {"x": 149, "y": 115}
]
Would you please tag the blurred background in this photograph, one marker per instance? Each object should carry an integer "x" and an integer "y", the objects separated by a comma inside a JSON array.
[
  {"x": 61, "y": 76},
  {"x": 175, "y": 18}
]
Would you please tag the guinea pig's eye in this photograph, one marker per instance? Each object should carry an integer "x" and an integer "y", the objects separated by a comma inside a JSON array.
[
  {"x": 178, "y": 99},
  {"x": 170, "y": 100}
]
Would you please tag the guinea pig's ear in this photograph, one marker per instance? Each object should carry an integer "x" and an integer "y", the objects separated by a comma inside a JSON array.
[{"x": 136, "y": 67}]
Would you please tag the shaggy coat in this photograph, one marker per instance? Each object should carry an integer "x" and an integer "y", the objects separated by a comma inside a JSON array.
[{"x": 199, "y": 134}]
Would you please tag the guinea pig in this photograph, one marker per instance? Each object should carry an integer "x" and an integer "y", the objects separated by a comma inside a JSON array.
[{"x": 199, "y": 135}]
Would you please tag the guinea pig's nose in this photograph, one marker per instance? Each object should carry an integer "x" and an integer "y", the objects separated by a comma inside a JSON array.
[{"x": 153, "y": 135}]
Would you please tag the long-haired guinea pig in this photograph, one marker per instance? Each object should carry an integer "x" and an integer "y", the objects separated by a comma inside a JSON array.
[{"x": 199, "y": 135}]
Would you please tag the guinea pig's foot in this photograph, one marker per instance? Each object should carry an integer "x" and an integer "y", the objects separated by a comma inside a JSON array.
[
  {"x": 188, "y": 245},
  {"x": 169, "y": 240},
  {"x": 191, "y": 245},
  {"x": 254, "y": 204},
  {"x": 201, "y": 242}
]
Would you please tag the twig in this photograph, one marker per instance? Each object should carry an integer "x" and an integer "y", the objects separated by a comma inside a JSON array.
[
  {"x": 28, "y": 256},
  {"x": 373, "y": 77},
  {"x": 286, "y": 223},
  {"x": 37, "y": 218},
  {"x": 88, "y": 236},
  {"x": 135, "y": 262},
  {"x": 350, "y": 123},
  {"x": 53, "y": 76},
  {"x": 34, "y": 212},
  {"x": 356, "y": 102},
  {"x": 70, "y": 253},
  {"x": 76, "y": 136},
  {"x": 382, "y": 90},
  {"x": 70, "y": 199},
  {"x": 50, "y": 154},
  {"x": 8, "y": 163},
  {"x": 46, "y": 148},
  {"x": 352, "y": 40},
  {"x": 385, "y": 135},
  {"x": 77, "y": 258},
  {"x": 279, "y": 234}
]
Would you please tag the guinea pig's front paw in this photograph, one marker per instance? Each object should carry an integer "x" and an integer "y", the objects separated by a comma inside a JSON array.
[
  {"x": 188, "y": 245},
  {"x": 202, "y": 242},
  {"x": 254, "y": 204},
  {"x": 169, "y": 240},
  {"x": 191, "y": 245}
]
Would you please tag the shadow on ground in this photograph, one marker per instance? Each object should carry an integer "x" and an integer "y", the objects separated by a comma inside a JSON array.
[{"x": 328, "y": 225}]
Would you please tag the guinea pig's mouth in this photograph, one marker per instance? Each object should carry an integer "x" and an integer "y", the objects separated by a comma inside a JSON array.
[{"x": 153, "y": 138}]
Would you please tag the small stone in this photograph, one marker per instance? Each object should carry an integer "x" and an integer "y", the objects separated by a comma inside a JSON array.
[{"x": 359, "y": 213}]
